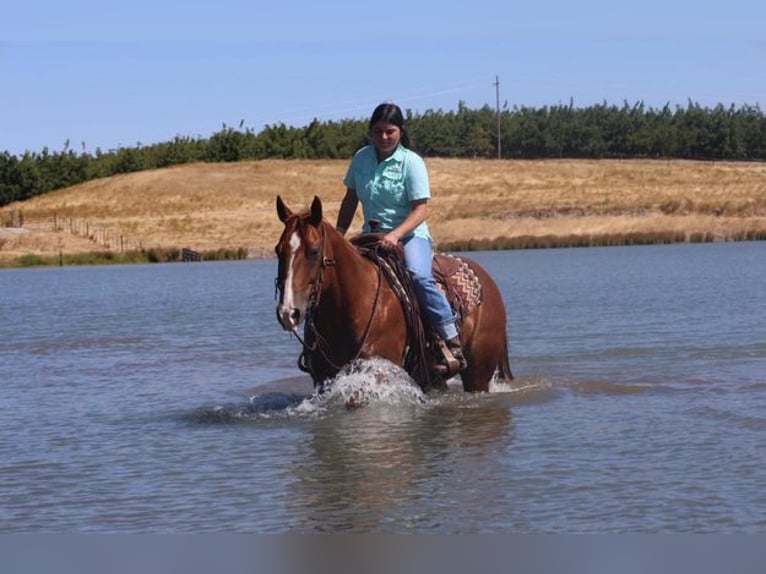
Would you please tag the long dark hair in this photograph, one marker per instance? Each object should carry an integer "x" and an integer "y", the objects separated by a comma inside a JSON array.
[{"x": 391, "y": 114}]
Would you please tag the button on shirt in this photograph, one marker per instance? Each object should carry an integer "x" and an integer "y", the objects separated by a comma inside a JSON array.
[{"x": 387, "y": 188}]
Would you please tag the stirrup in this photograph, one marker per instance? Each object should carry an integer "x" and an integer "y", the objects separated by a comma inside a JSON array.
[{"x": 452, "y": 364}]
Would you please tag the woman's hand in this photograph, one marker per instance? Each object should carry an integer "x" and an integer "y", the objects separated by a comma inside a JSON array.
[{"x": 390, "y": 240}]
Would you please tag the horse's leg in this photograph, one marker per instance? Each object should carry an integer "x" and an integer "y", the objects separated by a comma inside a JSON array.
[
  {"x": 477, "y": 376},
  {"x": 486, "y": 358},
  {"x": 485, "y": 340}
]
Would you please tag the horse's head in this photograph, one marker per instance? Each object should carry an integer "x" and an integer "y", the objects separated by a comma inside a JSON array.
[{"x": 300, "y": 253}]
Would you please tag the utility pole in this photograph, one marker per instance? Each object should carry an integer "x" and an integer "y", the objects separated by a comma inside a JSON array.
[{"x": 497, "y": 114}]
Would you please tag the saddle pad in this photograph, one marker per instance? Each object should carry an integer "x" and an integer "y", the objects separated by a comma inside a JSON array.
[{"x": 458, "y": 282}]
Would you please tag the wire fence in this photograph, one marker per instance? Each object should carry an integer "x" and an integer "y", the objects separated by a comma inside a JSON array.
[{"x": 98, "y": 234}]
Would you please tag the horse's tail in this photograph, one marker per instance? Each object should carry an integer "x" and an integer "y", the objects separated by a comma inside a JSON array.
[{"x": 505, "y": 364}]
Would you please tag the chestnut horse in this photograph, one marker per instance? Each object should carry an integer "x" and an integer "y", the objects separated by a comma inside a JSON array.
[{"x": 350, "y": 310}]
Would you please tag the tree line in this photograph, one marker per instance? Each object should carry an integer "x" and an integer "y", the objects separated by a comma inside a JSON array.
[{"x": 560, "y": 131}]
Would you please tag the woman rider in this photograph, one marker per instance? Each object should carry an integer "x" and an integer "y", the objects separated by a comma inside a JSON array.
[{"x": 391, "y": 181}]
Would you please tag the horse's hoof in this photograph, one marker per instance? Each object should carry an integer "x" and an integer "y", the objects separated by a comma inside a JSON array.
[{"x": 355, "y": 401}]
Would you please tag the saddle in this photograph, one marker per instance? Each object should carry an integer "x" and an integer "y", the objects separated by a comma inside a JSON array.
[{"x": 454, "y": 277}]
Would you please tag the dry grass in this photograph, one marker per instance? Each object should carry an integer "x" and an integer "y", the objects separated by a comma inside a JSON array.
[{"x": 212, "y": 206}]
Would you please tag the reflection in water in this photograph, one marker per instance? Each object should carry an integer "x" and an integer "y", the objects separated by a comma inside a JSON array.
[{"x": 386, "y": 467}]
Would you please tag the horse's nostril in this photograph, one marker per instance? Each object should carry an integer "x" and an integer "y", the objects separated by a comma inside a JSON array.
[{"x": 295, "y": 315}]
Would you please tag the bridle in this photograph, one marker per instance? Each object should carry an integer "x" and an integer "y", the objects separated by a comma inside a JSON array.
[{"x": 320, "y": 344}]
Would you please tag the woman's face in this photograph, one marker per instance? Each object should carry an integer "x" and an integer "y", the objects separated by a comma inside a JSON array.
[{"x": 385, "y": 138}]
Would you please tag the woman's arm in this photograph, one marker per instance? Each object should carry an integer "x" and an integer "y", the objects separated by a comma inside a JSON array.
[
  {"x": 347, "y": 210},
  {"x": 416, "y": 217}
]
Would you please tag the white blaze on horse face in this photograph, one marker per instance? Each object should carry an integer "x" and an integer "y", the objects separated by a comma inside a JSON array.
[{"x": 290, "y": 312}]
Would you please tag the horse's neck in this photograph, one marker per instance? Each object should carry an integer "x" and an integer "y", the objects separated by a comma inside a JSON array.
[{"x": 351, "y": 271}]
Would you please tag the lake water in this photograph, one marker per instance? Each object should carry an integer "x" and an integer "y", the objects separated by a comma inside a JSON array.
[{"x": 166, "y": 398}]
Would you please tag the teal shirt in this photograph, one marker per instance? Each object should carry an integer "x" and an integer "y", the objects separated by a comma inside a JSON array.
[{"x": 388, "y": 188}]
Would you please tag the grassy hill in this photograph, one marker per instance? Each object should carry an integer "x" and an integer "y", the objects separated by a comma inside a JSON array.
[{"x": 475, "y": 204}]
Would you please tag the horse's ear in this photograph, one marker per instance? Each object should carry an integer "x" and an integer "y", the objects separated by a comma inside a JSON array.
[
  {"x": 282, "y": 210},
  {"x": 316, "y": 211}
]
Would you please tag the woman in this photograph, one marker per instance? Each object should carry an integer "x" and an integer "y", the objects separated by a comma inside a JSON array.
[{"x": 391, "y": 181}]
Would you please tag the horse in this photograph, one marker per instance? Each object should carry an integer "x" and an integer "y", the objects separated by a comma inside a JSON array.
[{"x": 350, "y": 309}]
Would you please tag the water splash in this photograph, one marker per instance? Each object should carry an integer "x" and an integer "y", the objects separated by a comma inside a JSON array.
[
  {"x": 371, "y": 382},
  {"x": 367, "y": 383},
  {"x": 364, "y": 383}
]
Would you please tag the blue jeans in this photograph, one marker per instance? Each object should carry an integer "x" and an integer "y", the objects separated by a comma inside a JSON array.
[{"x": 433, "y": 303}]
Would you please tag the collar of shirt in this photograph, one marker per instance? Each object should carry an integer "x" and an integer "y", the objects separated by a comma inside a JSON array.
[{"x": 398, "y": 156}]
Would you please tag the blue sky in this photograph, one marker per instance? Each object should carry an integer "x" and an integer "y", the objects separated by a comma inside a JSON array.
[{"x": 144, "y": 72}]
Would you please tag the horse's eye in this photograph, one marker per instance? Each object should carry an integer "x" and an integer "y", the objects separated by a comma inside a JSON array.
[{"x": 312, "y": 252}]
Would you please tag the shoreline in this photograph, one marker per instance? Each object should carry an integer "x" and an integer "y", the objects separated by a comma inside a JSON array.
[
  {"x": 549, "y": 241},
  {"x": 225, "y": 210}
]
